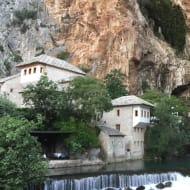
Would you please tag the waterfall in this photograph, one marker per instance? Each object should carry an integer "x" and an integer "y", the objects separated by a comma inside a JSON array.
[{"x": 110, "y": 180}]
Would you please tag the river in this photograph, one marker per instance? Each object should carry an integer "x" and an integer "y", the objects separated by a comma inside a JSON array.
[{"x": 121, "y": 175}]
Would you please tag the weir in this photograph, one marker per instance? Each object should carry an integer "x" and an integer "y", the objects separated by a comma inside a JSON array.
[{"x": 110, "y": 180}]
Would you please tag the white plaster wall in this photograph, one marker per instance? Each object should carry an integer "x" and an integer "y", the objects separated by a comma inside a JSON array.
[
  {"x": 56, "y": 74},
  {"x": 53, "y": 73},
  {"x": 12, "y": 89},
  {"x": 142, "y": 115},
  {"x": 33, "y": 77}
]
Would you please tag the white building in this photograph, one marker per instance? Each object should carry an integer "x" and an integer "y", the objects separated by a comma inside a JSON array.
[
  {"x": 130, "y": 115},
  {"x": 56, "y": 70}
]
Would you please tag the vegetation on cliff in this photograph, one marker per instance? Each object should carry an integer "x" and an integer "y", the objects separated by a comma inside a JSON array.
[
  {"x": 114, "y": 83},
  {"x": 168, "y": 21}
]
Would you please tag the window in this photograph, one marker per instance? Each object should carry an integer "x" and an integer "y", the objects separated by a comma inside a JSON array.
[
  {"x": 118, "y": 112},
  {"x": 117, "y": 126},
  {"x": 30, "y": 71},
  {"x": 148, "y": 114},
  {"x": 34, "y": 70},
  {"x": 141, "y": 113},
  {"x": 11, "y": 90},
  {"x": 41, "y": 69},
  {"x": 144, "y": 113},
  {"x": 136, "y": 113},
  {"x": 25, "y": 71}
]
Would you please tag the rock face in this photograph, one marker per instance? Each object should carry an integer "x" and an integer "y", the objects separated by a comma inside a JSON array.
[
  {"x": 103, "y": 35},
  {"x": 26, "y": 30},
  {"x": 113, "y": 34}
]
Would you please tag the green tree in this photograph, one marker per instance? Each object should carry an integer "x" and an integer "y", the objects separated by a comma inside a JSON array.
[
  {"x": 153, "y": 96},
  {"x": 20, "y": 158},
  {"x": 6, "y": 107},
  {"x": 45, "y": 99},
  {"x": 82, "y": 137},
  {"x": 87, "y": 96},
  {"x": 161, "y": 138},
  {"x": 114, "y": 84}
]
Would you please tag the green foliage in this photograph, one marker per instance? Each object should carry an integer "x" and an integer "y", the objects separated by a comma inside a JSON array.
[
  {"x": 45, "y": 99},
  {"x": 63, "y": 55},
  {"x": 114, "y": 84},
  {"x": 6, "y": 107},
  {"x": 23, "y": 14},
  {"x": 1, "y": 48},
  {"x": 20, "y": 157},
  {"x": 40, "y": 51},
  {"x": 87, "y": 96},
  {"x": 84, "y": 98},
  {"x": 8, "y": 67},
  {"x": 82, "y": 137},
  {"x": 13, "y": 57},
  {"x": 16, "y": 57},
  {"x": 161, "y": 138},
  {"x": 168, "y": 20},
  {"x": 85, "y": 68},
  {"x": 153, "y": 96},
  {"x": 145, "y": 86},
  {"x": 24, "y": 27}
]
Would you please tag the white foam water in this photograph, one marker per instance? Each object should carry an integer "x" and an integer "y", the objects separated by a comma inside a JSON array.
[
  {"x": 121, "y": 181},
  {"x": 181, "y": 183}
]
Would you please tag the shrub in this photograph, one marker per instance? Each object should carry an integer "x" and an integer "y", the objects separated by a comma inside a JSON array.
[
  {"x": 1, "y": 48},
  {"x": 168, "y": 20},
  {"x": 82, "y": 137},
  {"x": 39, "y": 51},
  {"x": 85, "y": 68},
  {"x": 17, "y": 57},
  {"x": 20, "y": 159},
  {"x": 63, "y": 55},
  {"x": 23, "y": 14}
]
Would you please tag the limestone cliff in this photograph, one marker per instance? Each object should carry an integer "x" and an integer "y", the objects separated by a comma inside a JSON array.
[
  {"x": 25, "y": 31},
  {"x": 102, "y": 34},
  {"x": 114, "y": 34}
]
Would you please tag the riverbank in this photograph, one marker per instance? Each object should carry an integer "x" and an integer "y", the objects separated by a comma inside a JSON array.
[
  {"x": 54, "y": 164},
  {"x": 96, "y": 166},
  {"x": 64, "y": 167}
]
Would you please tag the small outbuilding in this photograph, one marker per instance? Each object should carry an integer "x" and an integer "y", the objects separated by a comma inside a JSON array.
[{"x": 112, "y": 144}]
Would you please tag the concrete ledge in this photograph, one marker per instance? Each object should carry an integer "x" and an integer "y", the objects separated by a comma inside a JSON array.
[
  {"x": 76, "y": 167},
  {"x": 53, "y": 164}
]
